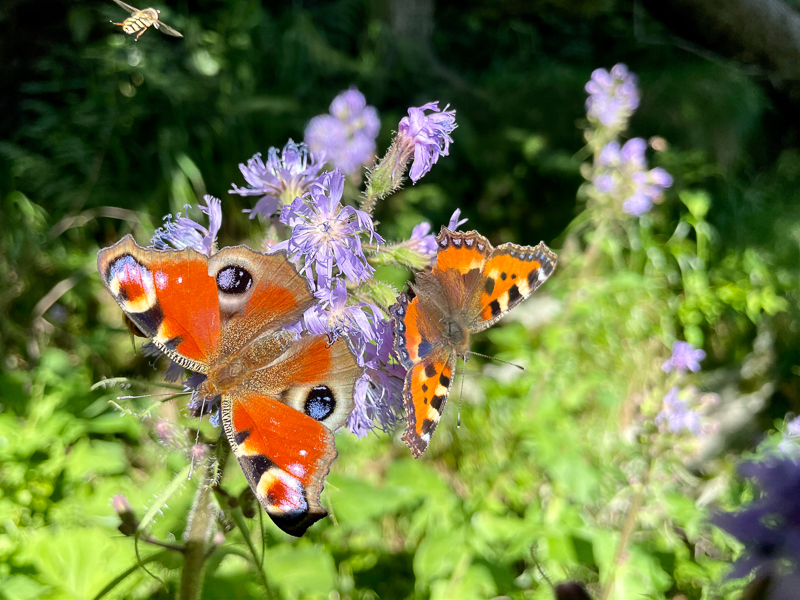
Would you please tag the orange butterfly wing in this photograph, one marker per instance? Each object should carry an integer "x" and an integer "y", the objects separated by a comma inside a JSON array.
[
  {"x": 429, "y": 362},
  {"x": 168, "y": 296},
  {"x": 225, "y": 313},
  {"x": 511, "y": 274}
]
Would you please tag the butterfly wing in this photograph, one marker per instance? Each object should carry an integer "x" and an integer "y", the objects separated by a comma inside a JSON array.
[
  {"x": 168, "y": 296},
  {"x": 429, "y": 362},
  {"x": 511, "y": 274},
  {"x": 280, "y": 424},
  {"x": 459, "y": 266}
]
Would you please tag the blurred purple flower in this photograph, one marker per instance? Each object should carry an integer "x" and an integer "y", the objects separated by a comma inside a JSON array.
[
  {"x": 790, "y": 444},
  {"x": 677, "y": 416},
  {"x": 183, "y": 232},
  {"x": 283, "y": 178},
  {"x": 326, "y": 234},
  {"x": 613, "y": 97},
  {"x": 621, "y": 174},
  {"x": 428, "y": 133},
  {"x": 346, "y": 136},
  {"x": 422, "y": 240},
  {"x": 769, "y": 527},
  {"x": 684, "y": 358}
]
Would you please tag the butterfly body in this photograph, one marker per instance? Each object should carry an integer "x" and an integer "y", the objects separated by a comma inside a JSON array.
[
  {"x": 224, "y": 316},
  {"x": 471, "y": 286}
]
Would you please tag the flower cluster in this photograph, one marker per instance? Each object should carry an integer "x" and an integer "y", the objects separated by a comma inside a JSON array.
[
  {"x": 325, "y": 234},
  {"x": 183, "y": 232},
  {"x": 683, "y": 410},
  {"x": 613, "y": 97},
  {"x": 286, "y": 175},
  {"x": 621, "y": 177},
  {"x": 347, "y": 135}
]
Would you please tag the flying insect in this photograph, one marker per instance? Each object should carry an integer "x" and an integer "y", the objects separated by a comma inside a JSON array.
[{"x": 140, "y": 20}]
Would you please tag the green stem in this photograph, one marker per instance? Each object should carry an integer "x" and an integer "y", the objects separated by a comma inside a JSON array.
[
  {"x": 238, "y": 518},
  {"x": 196, "y": 536},
  {"x": 627, "y": 531}
]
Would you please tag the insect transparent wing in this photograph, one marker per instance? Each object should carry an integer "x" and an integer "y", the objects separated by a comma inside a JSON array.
[
  {"x": 127, "y": 7},
  {"x": 164, "y": 28}
]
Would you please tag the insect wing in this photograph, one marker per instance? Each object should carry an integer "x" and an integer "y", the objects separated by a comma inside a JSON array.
[
  {"x": 127, "y": 7},
  {"x": 164, "y": 28}
]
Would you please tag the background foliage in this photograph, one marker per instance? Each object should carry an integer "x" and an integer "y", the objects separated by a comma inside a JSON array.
[{"x": 103, "y": 136}]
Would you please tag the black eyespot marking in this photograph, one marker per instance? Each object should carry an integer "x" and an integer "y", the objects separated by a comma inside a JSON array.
[
  {"x": 234, "y": 280},
  {"x": 514, "y": 295},
  {"x": 503, "y": 276},
  {"x": 495, "y": 306},
  {"x": 514, "y": 276},
  {"x": 320, "y": 403},
  {"x": 425, "y": 388},
  {"x": 444, "y": 380},
  {"x": 533, "y": 279},
  {"x": 488, "y": 287},
  {"x": 428, "y": 425},
  {"x": 430, "y": 370},
  {"x": 437, "y": 402}
]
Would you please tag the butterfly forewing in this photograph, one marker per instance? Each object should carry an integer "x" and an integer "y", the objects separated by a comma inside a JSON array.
[{"x": 169, "y": 297}]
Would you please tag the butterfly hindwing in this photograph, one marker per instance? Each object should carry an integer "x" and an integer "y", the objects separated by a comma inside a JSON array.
[
  {"x": 425, "y": 393},
  {"x": 284, "y": 454},
  {"x": 280, "y": 423},
  {"x": 168, "y": 296},
  {"x": 511, "y": 274}
]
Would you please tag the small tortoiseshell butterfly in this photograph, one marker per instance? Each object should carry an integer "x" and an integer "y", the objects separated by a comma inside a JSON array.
[
  {"x": 224, "y": 316},
  {"x": 471, "y": 286}
]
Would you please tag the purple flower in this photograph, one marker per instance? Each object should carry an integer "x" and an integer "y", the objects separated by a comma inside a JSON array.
[
  {"x": 677, "y": 416},
  {"x": 378, "y": 398},
  {"x": 456, "y": 221},
  {"x": 326, "y": 234},
  {"x": 613, "y": 97},
  {"x": 769, "y": 527},
  {"x": 684, "y": 358},
  {"x": 429, "y": 134},
  {"x": 424, "y": 242},
  {"x": 346, "y": 136},
  {"x": 186, "y": 233},
  {"x": 332, "y": 317},
  {"x": 283, "y": 178},
  {"x": 621, "y": 175},
  {"x": 790, "y": 444}
]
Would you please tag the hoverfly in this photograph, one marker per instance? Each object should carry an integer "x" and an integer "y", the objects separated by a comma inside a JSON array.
[{"x": 140, "y": 20}]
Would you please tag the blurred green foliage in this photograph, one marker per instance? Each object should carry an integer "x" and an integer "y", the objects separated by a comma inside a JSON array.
[{"x": 103, "y": 136}]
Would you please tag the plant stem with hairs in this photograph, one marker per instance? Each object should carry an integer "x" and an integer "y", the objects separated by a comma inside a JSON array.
[{"x": 198, "y": 531}]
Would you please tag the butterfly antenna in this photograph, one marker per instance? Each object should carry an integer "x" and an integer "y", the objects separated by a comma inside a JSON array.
[
  {"x": 505, "y": 362},
  {"x": 461, "y": 393},
  {"x": 173, "y": 394}
]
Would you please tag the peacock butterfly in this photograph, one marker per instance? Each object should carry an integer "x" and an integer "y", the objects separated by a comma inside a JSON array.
[
  {"x": 224, "y": 316},
  {"x": 471, "y": 286}
]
